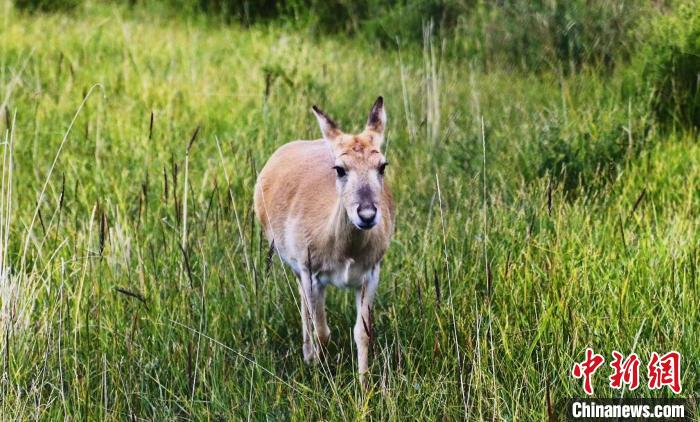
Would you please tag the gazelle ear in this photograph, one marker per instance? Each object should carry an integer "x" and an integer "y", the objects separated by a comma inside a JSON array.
[
  {"x": 329, "y": 129},
  {"x": 376, "y": 122}
]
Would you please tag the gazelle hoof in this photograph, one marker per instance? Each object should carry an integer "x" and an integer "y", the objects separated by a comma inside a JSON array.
[
  {"x": 365, "y": 380},
  {"x": 310, "y": 354}
]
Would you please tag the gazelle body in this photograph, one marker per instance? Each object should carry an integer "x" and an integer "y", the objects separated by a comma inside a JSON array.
[{"x": 325, "y": 208}]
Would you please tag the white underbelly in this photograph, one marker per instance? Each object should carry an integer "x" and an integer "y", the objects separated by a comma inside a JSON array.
[{"x": 348, "y": 275}]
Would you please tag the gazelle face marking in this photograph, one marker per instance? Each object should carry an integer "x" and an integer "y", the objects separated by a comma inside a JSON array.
[
  {"x": 359, "y": 171},
  {"x": 359, "y": 165}
]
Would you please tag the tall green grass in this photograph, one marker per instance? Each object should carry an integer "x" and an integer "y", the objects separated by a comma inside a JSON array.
[
  {"x": 542, "y": 35},
  {"x": 670, "y": 65},
  {"x": 538, "y": 214}
]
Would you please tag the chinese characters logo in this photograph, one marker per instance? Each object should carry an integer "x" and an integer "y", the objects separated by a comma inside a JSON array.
[{"x": 662, "y": 371}]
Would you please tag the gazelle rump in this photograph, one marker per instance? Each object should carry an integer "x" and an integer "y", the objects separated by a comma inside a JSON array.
[{"x": 326, "y": 209}]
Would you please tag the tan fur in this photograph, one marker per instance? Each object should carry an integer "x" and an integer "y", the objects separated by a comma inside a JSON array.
[
  {"x": 298, "y": 184},
  {"x": 308, "y": 213}
]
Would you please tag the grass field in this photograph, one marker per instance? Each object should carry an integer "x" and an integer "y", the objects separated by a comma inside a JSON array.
[{"x": 538, "y": 214}]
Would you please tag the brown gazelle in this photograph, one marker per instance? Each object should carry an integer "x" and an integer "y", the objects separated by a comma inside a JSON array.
[{"x": 328, "y": 213}]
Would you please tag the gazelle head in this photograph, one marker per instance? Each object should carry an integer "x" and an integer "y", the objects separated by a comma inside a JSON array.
[{"x": 359, "y": 165}]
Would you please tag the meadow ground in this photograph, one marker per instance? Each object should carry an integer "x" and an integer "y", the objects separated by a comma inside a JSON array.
[{"x": 538, "y": 214}]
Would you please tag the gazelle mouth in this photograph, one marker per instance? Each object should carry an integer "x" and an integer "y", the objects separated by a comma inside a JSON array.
[{"x": 365, "y": 226}]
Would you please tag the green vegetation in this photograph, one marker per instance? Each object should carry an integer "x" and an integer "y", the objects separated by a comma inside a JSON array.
[
  {"x": 540, "y": 34},
  {"x": 670, "y": 63},
  {"x": 47, "y": 5},
  {"x": 540, "y": 211}
]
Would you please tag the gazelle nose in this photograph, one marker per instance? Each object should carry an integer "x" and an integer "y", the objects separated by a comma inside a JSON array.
[{"x": 367, "y": 212}]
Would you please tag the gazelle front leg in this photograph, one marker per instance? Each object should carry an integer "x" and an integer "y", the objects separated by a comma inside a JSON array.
[
  {"x": 308, "y": 310},
  {"x": 363, "y": 332},
  {"x": 319, "y": 293}
]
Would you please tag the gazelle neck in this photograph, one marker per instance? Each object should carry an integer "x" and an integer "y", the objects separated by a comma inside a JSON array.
[{"x": 345, "y": 238}]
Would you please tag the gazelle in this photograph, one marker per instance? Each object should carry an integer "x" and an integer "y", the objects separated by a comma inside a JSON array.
[{"x": 326, "y": 209}]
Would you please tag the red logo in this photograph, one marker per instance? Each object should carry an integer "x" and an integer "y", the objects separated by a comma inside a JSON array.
[
  {"x": 665, "y": 371},
  {"x": 587, "y": 368},
  {"x": 626, "y": 372}
]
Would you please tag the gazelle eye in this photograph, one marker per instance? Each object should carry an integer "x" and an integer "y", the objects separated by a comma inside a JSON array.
[
  {"x": 340, "y": 172},
  {"x": 382, "y": 168}
]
